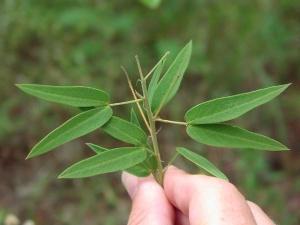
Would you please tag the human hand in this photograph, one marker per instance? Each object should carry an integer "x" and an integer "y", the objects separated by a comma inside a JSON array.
[{"x": 189, "y": 200}]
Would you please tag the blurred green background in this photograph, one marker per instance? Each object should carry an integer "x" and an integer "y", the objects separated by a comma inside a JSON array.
[{"x": 238, "y": 46}]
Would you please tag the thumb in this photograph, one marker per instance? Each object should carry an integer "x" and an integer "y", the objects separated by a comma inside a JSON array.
[{"x": 149, "y": 203}]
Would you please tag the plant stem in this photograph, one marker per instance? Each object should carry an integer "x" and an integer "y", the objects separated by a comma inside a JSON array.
[
  {"x": 171, "y": 122},
  {"x": 126, "y": 102},
  {"x": 134, "y": 96},
  {"x": 159, "y": 173}
]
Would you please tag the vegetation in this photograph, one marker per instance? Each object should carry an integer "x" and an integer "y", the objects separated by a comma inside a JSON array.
[
  {"x": 236, "y": 46},
  {"x": 204, "y": 122}
]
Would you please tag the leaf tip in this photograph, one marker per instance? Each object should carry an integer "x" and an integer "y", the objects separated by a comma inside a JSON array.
[
  {"x": 20, "y": 86},
  {"x": 62, "y": 175},
  {"x": 30, "y": 155}
]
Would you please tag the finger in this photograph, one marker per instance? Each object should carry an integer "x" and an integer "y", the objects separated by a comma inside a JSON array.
[
  {"x": 206, "y": 200},
  {"x": 260, "y": 217},
  {"x": 149, "y": 203}
]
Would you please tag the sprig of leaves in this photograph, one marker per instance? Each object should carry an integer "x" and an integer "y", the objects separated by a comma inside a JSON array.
[{"x": 204, "y": 122}]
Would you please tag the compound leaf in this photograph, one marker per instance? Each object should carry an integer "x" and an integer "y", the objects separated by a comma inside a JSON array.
[
  {"x": 75, "y": 127},
  {"x": 231, "y": 107},
  {"x": 125, "y": 131},
  {"x": 109, "y": 161},
  {"x": 77, "y": 96},
  {"x": 170, "y": 82},
  {"x": 201, "y": 162},
  {"x": 222, "y": 135}
]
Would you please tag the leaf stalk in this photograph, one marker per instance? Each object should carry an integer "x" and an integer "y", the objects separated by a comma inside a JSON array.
[
  {"x": 171, "y": 122},
  {"x": 126, "y": 102}
]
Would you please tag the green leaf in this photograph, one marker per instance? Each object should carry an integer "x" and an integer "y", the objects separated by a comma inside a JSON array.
[
  {"x": 106, "y": 162},
  {"x": 125, "y": 131},
  {"x": 75, "y": 127},
  {"x": 134, "y": 118},
  {"x": 139, "y": 170},
  {"x": 96, "y": 148},
  {"x": 144, "y": 168},
  {"x": 221, "y": 135},
  {"x": 170, "y": 82},
  {"x": 201, "y": 162},
  {"x": 231, "y": 107},
  {"x": 154, "y": 80},
  {"x": 77, "y": 96}
]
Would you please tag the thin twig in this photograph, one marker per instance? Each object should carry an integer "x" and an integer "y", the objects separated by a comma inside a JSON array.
[
  {"x": 171, "y": 121},
  {"x": 156, "y": 65},
  {"x": 126, "y": 102},
  {"x": 174, "y": 157},
  {"x": 138, "y": 94},
  {"x": 134, "y": 96}
]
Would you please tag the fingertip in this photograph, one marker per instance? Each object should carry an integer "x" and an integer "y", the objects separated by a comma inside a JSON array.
[
  {"x": 130, "y": 183},
  {"x": 133, "y": 183}
]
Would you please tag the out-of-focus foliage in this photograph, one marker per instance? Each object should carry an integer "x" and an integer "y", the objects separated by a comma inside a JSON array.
[{"x": 237, "y": 46}]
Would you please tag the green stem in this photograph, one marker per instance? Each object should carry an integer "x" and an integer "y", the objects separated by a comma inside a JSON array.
[
  {"x": 171, "y": 121},
  {"x": 159, "y": 173},
  {"x": 126, "y": 102}
]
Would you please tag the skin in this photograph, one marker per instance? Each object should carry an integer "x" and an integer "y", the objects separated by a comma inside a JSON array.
[{"x": 189, "y": 200}]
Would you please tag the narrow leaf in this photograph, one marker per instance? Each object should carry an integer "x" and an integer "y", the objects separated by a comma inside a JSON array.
[
  {"x": 106, "y": 162},
  {"x": 170, "y": 82},
  {"x": 77, "y": 96},
  {"x": 201, "y": 162},
  {"x": 221, "y": 135},
  {"x": 139, "y": 170},
  {"x": 96, "y": 148},
  {"x": 154, "y": 80},
  {"x": 75, "y": 127},
  {"x": 134, "y": 118},
  {"x": 231, "y": 107},
  {"x": 125, "y": 131}
]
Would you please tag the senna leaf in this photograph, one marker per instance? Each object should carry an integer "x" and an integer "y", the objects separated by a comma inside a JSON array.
[
  {"x": 134, "y": 118},
  {"x": 125, "y": 131},
  {"x": 221, "y": 135},
  {"x": 75, "y": 127},
  {"x": 96, "y": 148},
  {"x": 201, "y": 162},
  {"x": 139, "y": 170},
  {"x": 77, "y": 96},
  {"x": 170, "y": 82},
  {"x": 231, "y": 107},
  {"x": 106, "y": 162},
  {"x": 154, "y": 79}
]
